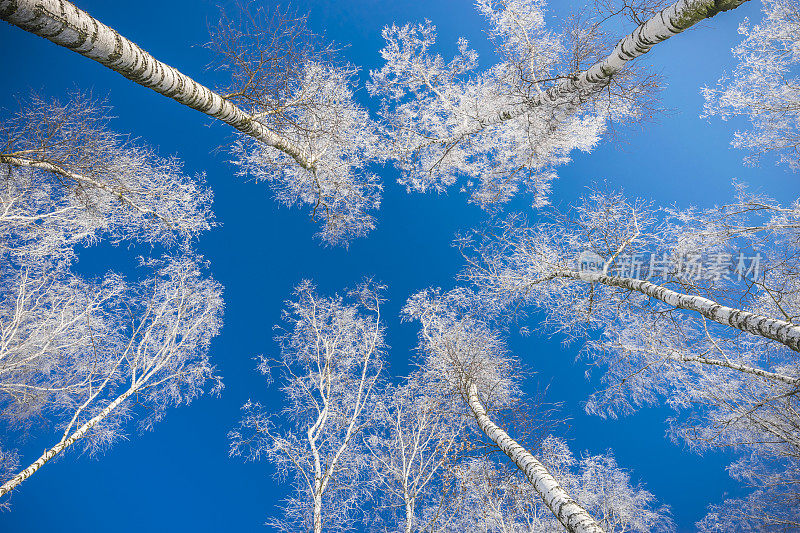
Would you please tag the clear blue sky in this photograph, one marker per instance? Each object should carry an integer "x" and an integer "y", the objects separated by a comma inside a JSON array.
[{"x": 179, "y": 477}]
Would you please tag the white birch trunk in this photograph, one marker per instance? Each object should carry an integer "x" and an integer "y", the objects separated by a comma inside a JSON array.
[
  {"x": 764, "y": 374},
  {"x": 667, "y": 23},
  {"x": 77, "y": 178},
  {"x": 409, "y": 516},
  {"x": 318, "y": 512},
  {"x": 771, "y": 328},
  {"x": 63, "y": 444},
  {"x": 64, "y": 24},
  {"x": 571, "y": 515}
]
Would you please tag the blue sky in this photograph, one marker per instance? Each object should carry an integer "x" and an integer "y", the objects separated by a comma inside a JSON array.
[{"x": 179, "y": 476}]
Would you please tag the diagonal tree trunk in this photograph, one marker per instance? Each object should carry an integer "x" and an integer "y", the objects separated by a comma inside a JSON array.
[
  {"x": 66, "y": 25},
  {"x": 744, "y": 369},
  {"x": 571, "y": 515},
  {"x": 771, "y": 328},
  {"x": 64, "y": 443},
  {"x": 667, "y": 23},
  {"x": 121, "y": 195}
]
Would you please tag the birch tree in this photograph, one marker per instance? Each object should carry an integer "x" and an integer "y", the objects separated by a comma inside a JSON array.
[
  {"x": 673, "y": 311},
  {"x": 509, "y": 126},
  {"x": 312, "y": 143},
  {"x": 148, "y": 352},
  {"x": 84, "y": 356},
  {"x": 56, "y": 328},
  {"x": 772, "y": 506},
  {"x": 417, "y": 436},
  {"x": 472, "y": 362},
  {"x": 9, "y": 464},
  {"x": 764, "y": 86},
  {"x": 331, "y": 360},
  {"x": 493, "y": 498},
  {"x": 67, "y": 179}
]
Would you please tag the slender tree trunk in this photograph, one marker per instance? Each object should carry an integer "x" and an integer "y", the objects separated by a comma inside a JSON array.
[
  {"x": 409, "y": 516},
  {"x": 318, "y": 512},
  {"x": 778, "y": 330},
  {"x": 571, "y": 515},
  {"x": 64, "y": 24},
  {"x": 23, "y": 162},
  {"x": 64, "y": 444},
  {"x": 769, "y": 376}
]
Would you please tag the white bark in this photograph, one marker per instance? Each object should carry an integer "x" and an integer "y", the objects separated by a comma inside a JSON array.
[
  {"x": 79, "y": 179},
  {"x": 157, "y": 344},
  {"x": 63, "y": 444},
  {"x": 317, "y": 512},
  {"x": 745, "y": 369},
  {"x": 66, "y": 25},
  {"x": 571, "y": 515},
  {"x": 667, "y": 23},
  {"x": 771, "y": 328},
  {"x": 409, "y": 515},
  {"x": 324, "y": 474}
]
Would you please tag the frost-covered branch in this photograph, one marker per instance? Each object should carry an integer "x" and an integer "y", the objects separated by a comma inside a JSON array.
[
  {"x": 146, "y": 342},
  {"x": 66, "y": 179},
  {"x": 509, "y": 126},
  {"x": 678, "y": 316},
  {"x": 331, "y": 359},
  {"x": 317, "y": 150},
  {"x": 764, "y": 86},
  {"x": 412, "y": 446}
]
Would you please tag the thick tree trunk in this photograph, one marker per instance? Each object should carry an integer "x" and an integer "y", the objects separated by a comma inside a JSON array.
[
  {"x": 64, "y": 24},
  {"x": 571, "y": 515},
  {"x": 778, "y": 330},
  {"x": 64, "y": 444}
]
